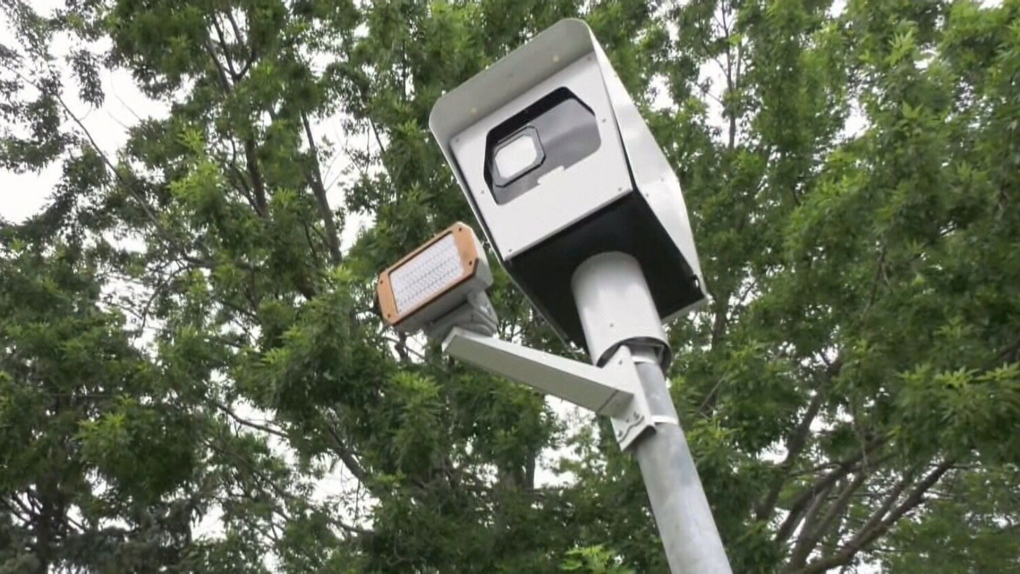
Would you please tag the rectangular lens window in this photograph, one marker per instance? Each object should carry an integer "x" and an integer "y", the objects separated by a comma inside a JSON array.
[{"x": 517, "y": 155}]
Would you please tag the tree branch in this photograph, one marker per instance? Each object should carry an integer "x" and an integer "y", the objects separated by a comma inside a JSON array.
[
  {"x": 890, "y": 499},
  {"x": 794, "y": 447},
  {"x": 814, "y": 531},
  {"x": 400, "y": 345},
  {"x": 250, "y": 148},
  {"x": 325, "y": 213},
  {"x": 259, "y": 186},
  {"x": 245, "y": 422},
  {"x": 242, "y": 186},
  {"x": 280, "y": 492},
  {"x": 867, "y": 536},
  {"x": 253, "y": 53},
  {"x": 28, "y": 515},
  {"x": 92, "y": 142},
  {"x": 221, "y": 73},
  {"x": 224, "y": 48},
  {"x": 346, "y": 456},
  {"x": 822, "y": 486},
  {"x": 309, "y": 241}
]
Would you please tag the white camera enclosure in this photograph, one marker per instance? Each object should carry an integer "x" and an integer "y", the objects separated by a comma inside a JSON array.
[
  {"x": 561, "y": 196},
  {"x": 586, "y": 177}
]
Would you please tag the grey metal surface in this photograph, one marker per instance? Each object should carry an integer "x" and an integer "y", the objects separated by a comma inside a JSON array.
[
  {"x": 560, "y": 55},
  {"x": 615, "y": 305},
  {"x": 565, "y": 54},
  {"x": 653, "y": 175},
  {"x": 476, "y": 314},
  {"x": 682, "y": 514},
  {"x": 628, "y": 176},
  {"x": 606, "y": 392}
]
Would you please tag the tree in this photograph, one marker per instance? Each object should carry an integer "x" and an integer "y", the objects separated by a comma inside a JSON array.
[
  {"x": 849, "y": 174},
  {"x": 94, "y": 449},
  {"x": 969, "y": 526},
  {"x": 862, "y": 277},
  {"x": 109, "y": 461}
]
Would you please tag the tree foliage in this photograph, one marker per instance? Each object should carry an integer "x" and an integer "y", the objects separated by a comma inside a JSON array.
[{"x": 188, "y": 332}]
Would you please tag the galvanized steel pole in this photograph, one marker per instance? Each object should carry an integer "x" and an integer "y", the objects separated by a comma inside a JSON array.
[{"x": 616, "y": 308}]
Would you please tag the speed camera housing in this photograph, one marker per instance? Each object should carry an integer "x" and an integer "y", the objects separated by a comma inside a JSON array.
[{"x": 559, "y": 166}]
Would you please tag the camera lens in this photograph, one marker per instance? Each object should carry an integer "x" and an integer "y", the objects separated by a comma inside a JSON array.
[{"x": 554, "y": 133}]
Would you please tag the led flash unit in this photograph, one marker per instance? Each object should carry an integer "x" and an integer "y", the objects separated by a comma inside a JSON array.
[{"x": 434, "y": 279}]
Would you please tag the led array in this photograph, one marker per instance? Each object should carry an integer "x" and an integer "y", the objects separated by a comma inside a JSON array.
[{"x": 426, "y": 274}]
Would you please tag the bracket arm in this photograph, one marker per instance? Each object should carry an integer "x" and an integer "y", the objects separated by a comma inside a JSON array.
[
  {"x": 614, "y": 391},
  {"x": 584, "y": 385}
]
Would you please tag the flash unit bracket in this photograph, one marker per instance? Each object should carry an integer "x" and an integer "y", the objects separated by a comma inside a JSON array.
[{"x": 476, "y": 315}]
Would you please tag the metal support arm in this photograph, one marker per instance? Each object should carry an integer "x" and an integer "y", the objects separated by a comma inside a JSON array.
[{"x": 614, "y": 390}]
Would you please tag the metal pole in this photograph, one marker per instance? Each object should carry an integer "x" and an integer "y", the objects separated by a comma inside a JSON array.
[
  {"x": 616, "y": 308},
  {"x": 678, "y": 501}
]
